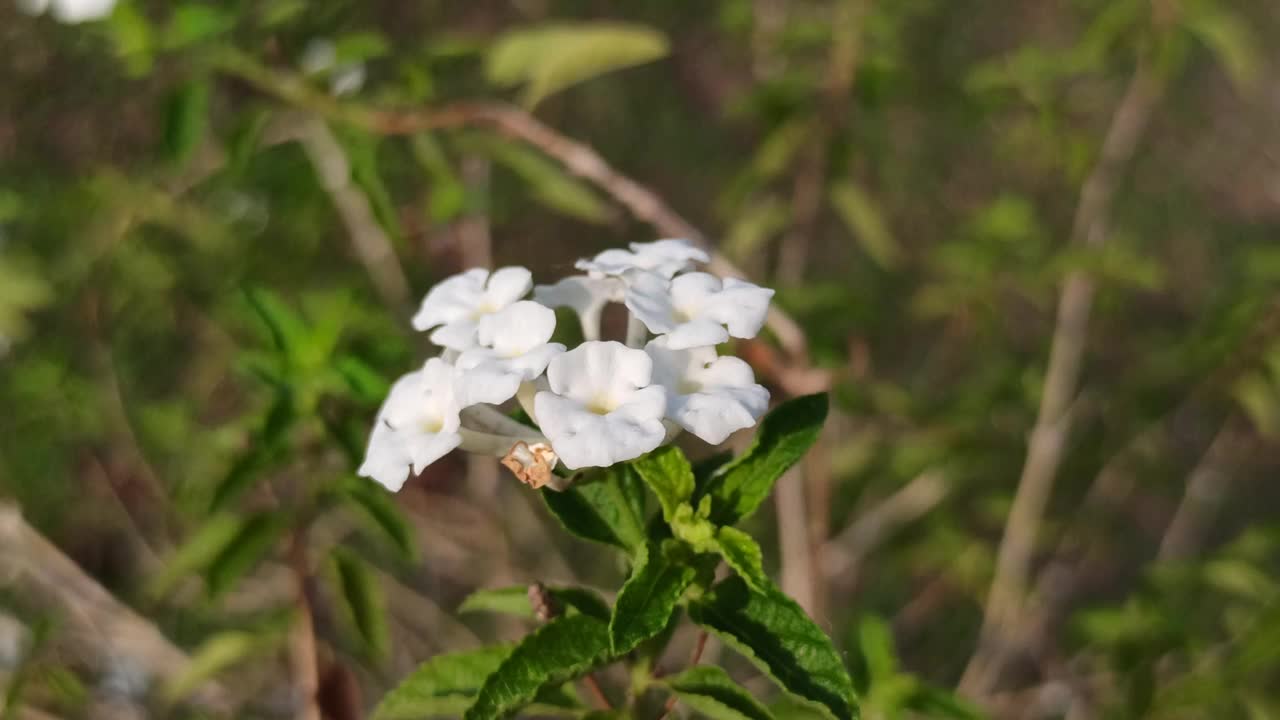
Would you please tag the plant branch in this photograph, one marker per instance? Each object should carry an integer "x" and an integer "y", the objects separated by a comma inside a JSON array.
[
  {"x": 1048, "y": 438},
  {"x": 107, "y": 634},
  {"x": 846, "y": 551},
  {"x": 576, "y": 157}
]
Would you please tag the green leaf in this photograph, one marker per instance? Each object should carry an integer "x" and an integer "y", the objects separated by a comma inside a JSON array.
[
  {"x": 600, "y": 506},
  {"x": 251, "y": 543},
  {"x": 216, "y": 654},
  {"x": 1230, "y": 38},
  {"x": 186, "y": 119},
  {"x": 363, "y": 599},
  {"x": 648, "y": 599},
  {"x": 265, "y": 443},
  {"x": 772, "y": 631},
  {"x": 865, "y": 222},
  {"x": 444, "y": 685},
  {"x": 550, "y": 57},
  {"x": 711, "y": 692},
  {"x": 784, "y": 436},
  {"x": 547, "y": 180},
  {"x": 288, "y": 331},
  {"x": 561, "y": 650},
  {"x": 201, "y": 549},
  {"x": 194, "y": 22},
  {"x": 379, "y": 505},
  {"x": 667, "y": 473},
  {"x": 515, "y": 601},
  {"x": 742, "y": 553}
]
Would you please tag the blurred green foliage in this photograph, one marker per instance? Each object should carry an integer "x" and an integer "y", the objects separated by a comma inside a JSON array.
[{"x": 192, "y": 343}]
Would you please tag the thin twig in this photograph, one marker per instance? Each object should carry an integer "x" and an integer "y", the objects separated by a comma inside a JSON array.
[
  {"x": 1206, "y": 487},
  {"x": 846, "y": 551},
  {"x": 578, "y": 158},
  {"x": 594, "y": 686},
  {"x": 302, "y": 645},
  {"x": 368, "y": 239},
  {"x": 698, "y": 648},
  {"x": 1048, "y": 438}
]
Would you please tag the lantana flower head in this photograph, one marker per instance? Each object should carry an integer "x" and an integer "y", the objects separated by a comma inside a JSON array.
[
  {"x": 601, "y": 407},
  {"x": 698, "y": 309},
  {"x": 455, "y": 306},
  {"x": 600, "y": 403},
  {"x": 661, "y": 257}
]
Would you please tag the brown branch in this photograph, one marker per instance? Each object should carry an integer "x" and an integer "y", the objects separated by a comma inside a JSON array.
[
  {"x": 846, "y": 551},
  {"x": 368, "y": 239},
  {"x": 576, "y": 157},
  {"x": 1048, "y": 438},
  {"x": 699, "y": 647},
  {"x": 106, "y": 633},
  {"x": 1206, "y": 486},
  {"x": 302, "y": 641}
]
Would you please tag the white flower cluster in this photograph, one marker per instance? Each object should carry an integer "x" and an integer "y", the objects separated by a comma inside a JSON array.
[
  {"x": 600, "y": 403},
  {"x": 69, "y": 11}
]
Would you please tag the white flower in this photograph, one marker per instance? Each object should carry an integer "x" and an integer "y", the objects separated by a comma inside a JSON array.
[
  {"x": 454, "y": 307},
  {"x": 708, "y": 395},
  {"x": 663, "y": 257},
  {"x": 516, "y": 346},
  {"x": 419, "y": 421},
  {"x": 69, "y": 11},
  {"x": 698, "y": 309},
  {"x": 601, "y": 408},
  {"x": 586, "y": 295}
]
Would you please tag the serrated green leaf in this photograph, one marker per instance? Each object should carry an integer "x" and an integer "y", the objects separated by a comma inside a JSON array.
[
  {"x": 515, "y": 601},
  {"x": 668, "y": 474},
  {"x": 772, "y": 631},
  {"x": 186, "y": 118},
  {"x": 600, "y": 506},
  {"x": 252, "y": 542},
  {"x": 647, "y": 599},
  {"x": 550, "y": 57},
  {"x": 783, "y": 437},
  {"x": 741, "y": 552},
  {"x": 561, "y": 650},
  {"x": 379, "y": 505},
  {"x": 865, "y": 222},
  {"x": 363, "y": 600},
  {"x": 444, "y": 685},
  {"x": 201, "y": 549},
  {"x": 711, "y": 692}
]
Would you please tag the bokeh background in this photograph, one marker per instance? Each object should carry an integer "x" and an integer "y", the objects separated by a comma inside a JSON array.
[{"x": 1031, "y": 247}]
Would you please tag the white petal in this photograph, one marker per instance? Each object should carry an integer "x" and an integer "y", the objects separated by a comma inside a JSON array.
[
  {"x": 670, "y": 252},
  {"x": 517, "y": 328},
  {"x": 715, "y": 414},
  {"x": 742, "y": 307},
  {"x": 452, "y": 299},
  {"x": 457, "y": 335},
  {"x": 698, "y": 333},
  {"x": 76, "y": 11},
  {"x": 598, "y": 373},
  {"x": 385, "y": 460},
  {"x": 586, "y": 295},
  {"x": 692, "y": 292},
  {"x": 417, "y": 424},
  {"x": 457, "y": 303},
  {"x": 583, "y": 438},
  {"x": 508, "y": 285},
  {"x": 649, "y": 299},
  {"x": 707, "y": 395}
]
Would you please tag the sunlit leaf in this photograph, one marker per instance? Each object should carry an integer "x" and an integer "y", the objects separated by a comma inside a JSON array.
[
  {"x": 550, "y": 57},
  {"x": 648, "y": 599},
  {"x": 773, "y": 632},
  {"x": 711, "y": 692}
]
